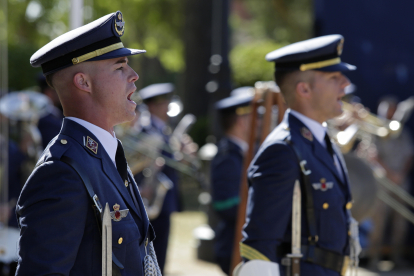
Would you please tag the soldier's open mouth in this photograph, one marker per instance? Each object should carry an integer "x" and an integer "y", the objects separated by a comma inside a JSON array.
[{"x": 129, "y": 96}]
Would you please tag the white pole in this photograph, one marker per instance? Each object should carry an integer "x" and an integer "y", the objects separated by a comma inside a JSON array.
[{"x": 76, "y": 14}]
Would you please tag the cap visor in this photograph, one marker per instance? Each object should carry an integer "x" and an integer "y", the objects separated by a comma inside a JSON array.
[
  {"x": 341, "y": 67},
  {"x": 123, "y": 52}
]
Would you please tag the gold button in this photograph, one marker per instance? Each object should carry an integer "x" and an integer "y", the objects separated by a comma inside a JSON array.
[
  {"x": 63, "y": 141},
  {"x": 325, "y": 206},
  {"x": 349, "y": 205},
  {"x": 126, "y": 183},
  {"x": 349, "y": 233},
  {"x": 120, "y": 240}
]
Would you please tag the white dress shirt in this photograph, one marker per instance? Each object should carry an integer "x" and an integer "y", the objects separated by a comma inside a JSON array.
[
  {"x": 108, "y": 141},
  {"x": 319, "y": 132}
]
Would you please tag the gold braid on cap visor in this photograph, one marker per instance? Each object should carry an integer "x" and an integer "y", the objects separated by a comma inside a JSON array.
[
  {"x": 320, "y": 64},
  {"x": 244, "y": 110},
  {"x": 98, "y": 52}
]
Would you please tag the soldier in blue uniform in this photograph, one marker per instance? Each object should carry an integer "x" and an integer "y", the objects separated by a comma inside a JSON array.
[
  {"x": 309, "y": 74},
  {"x": 84, "y": 166},
  {"x": 157, "y": 98},
  {"x": 226, "y": 169}
]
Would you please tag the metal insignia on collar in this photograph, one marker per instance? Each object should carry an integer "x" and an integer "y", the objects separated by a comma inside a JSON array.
[
  {"x": 119, "y": 24},
  {"x": 306, "y": 133},
  {"x": 323, "y": 185},
  {"x": 91, "y": 144},
  {"x": 117, "y": 214}
]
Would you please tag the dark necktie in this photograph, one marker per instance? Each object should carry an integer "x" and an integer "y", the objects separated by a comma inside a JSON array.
[
  {"x": 121, "y": 163},
  {"x": 329, "y": 146},
  {"x": 122, "y": 167}
]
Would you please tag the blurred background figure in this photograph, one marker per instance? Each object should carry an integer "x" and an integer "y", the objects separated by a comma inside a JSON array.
[
  {"x": 21, "y": 110},
  {"x": 154, "y": 123},
  {"x": 226, "y": 169},
  {"x": 49, "y": 125},
  {"x": 395, "y": 155}
]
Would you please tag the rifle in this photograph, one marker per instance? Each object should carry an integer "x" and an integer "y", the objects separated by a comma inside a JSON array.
[{"x": 267, "y": 94}]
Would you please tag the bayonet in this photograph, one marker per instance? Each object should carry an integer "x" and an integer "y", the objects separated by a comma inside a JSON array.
[
  {"x": 296, "y": 255},
  {"x": 106, "y": 242}
]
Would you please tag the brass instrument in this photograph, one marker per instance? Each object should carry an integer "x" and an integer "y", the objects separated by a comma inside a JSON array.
[
  {"x": 367, "y": 175},
  {"x": 360, "y": 122},
  {"x": 144, "y": 153}
]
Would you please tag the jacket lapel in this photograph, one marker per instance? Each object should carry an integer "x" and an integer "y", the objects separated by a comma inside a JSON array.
[
  {"x": 322, "y": 154},
  {"x": 319, "y": 151},
  {"x": 80, "y": 134},
  {"x": 111, "y": 172},
  {"x": 143, "y": 213}
]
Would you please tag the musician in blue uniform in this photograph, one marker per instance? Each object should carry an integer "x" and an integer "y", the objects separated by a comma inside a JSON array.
[
  {"x": 49, "y": 125},
  {"x": 226, "y": 169},
  {"x": 310, "y": 76},
  {"x": 84, "y": 166},
  {"x": 157, "y": 97}
]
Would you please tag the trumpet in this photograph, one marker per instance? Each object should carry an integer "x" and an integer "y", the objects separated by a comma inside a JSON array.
[{"x": 359, "y": 121}]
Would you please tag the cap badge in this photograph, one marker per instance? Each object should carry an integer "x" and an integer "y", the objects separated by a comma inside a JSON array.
[
  {"x": 323, "y": 185},
  {"x": 119, "y": 24},
  {"x": 306, "y": 133},
  {"x": 340, "y": 46},
  {"x": 91, "y": 144},
  {"x": 117, "y": 214}
]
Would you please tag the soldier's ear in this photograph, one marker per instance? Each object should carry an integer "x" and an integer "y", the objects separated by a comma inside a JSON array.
[
  {"x": 82, "y": 82},
  {"x": 303, "y": 89}
]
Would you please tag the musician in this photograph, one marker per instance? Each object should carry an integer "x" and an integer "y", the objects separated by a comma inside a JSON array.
[
  {"x": 157, "y": 97},
  {"x": 84, "y": 167},
  {"x": 49, "y": 125},
  {"x": 395, "y": 154},
  {"x": 226, "y": 169},
  {"x": 310, "y": 76}
]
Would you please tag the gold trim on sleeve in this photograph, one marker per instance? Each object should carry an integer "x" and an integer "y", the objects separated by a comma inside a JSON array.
[{"x": 250, "y": 253}]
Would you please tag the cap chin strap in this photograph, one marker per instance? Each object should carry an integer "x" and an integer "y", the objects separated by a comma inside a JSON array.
[
  {"x": 320, "y": 64},
  {"x": 98, "y": 52}
]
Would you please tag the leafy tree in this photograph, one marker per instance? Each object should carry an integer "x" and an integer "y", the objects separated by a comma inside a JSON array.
[{"x": 249, "y": 64}]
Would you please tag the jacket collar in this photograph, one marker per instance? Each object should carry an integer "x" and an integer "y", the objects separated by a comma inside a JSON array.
[
  {"x": 301, "y": 133},
  {"x": 81, "y": 134}
]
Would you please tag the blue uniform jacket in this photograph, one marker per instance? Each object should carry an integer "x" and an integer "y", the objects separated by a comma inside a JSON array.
[
  {"x": 58, "y": 228},
  {"x": 272, "y": 174},
  {"x": 226, "y": 172}
]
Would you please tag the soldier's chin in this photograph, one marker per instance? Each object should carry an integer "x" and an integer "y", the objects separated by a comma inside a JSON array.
[{"x": 128, "y": 117}]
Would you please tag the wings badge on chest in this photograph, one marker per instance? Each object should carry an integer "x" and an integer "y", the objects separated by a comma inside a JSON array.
[
  {"x": 117, "y": 214},
  {"x": 323, "y": 185}
]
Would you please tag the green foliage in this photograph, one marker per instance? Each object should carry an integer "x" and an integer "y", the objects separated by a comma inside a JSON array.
[
  {"x": 248, "y": 62},
  {"x": 260, "y": 27},
  {"x": 21, "y": 74},
  {"x": 154, "y": 25},
  {"x": 199, "y": 131},
  {"x": 279, "y": 20}
]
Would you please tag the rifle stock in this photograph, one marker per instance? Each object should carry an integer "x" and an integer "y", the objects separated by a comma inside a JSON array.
[{"x": 267, "y": 94}]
